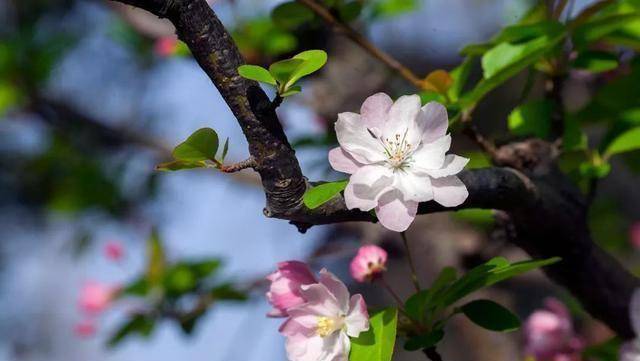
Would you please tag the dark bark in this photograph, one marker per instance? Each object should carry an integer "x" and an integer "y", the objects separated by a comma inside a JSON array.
[{"x": 548, "y": 212}]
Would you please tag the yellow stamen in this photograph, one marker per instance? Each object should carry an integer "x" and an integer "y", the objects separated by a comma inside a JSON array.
[{"x": 325, "y": 326}]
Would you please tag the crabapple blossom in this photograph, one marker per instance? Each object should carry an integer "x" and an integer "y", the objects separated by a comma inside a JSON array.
[
  {"x": 630, "y": 351},
  {"x": 95, "y": 297},
  {"x": 369, "y": 263},
  {"x": 319, "y": 329},
  {"x": 284, "y": 291},
  {"x": 549, "y": 334},
  {"x": 396, "y": 155},
  {"x": 113, "y": 250}
]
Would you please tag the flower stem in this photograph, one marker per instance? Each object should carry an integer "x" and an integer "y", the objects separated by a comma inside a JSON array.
[
  {"x": 392, "y": 293},
  {"x": 414, "y": 274}
]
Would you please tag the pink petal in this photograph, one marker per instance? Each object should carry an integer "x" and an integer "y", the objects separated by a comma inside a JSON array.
[
  {"x": 336, "y": 287},
  {"x": 394, "y": 213},
  {"x": 434, "y": 121},
  {"x": 302, "y": 324},
  {"x": 453, "y": 164},
  {"x": 357, "y": 319},
  {"x": 354, "y": 137},
  {"x": 320, "y": 301},
  {"x": 366, "y": 185},
  {"x": 343, "y": 161},
  {"x": 449, "y": 191},
  {"x": 414, "y": 187},
  {"x": 432, "y": 155},
  {"x": 369, "y": 262},
  {"x": 375, "y": 110},
  {"x": 402, "y": 115}
]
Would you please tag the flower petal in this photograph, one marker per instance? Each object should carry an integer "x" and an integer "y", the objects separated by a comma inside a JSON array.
[
  {"x": 336, "y": 287},
  {"x": 433, "y": 121},
  {"x": 300, "y": 325},
  {"x": 301, "y": 348},
  {"x": 453, "y": 164},
  {"x": 357, "y": 319},
  {"x": 449, "y": 191},
  {"x": 343, "y": 161},
  {"x": 366, "y": 185},
  {"x": 320, "y": 302},
  {"x": 414, "y": 186},
  {"x": 431, "y": 155},
  {"x": 375, "y": 110},
  {"x": 402, "y": 120},
  {"x": 394, "y": 213},
  {"x": 354, "y": 137}
]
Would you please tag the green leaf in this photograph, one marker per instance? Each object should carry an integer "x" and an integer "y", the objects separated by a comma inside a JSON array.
[
  {"x": 625, "y": 142},
  {"x": 321, "y": 194},
  {"x": 179, "y": 165},
  {"x": 138, "y": 324},
  {"x": 418, "y": 304},
  {"x": 424, "y": 341},
  {"x": 378, "y": 342},
  {"x": 491, "y": 316},
  {"x": 204, "y": 268},
  {"x": 201, "y": 145},
  {"x": 156, "y": 262},
  {"x": 350, "y": 11},
  {"x": 595, "y": 61},
  {"x": 415, "y": 306},
  {"x": 257, "y": 73},
  {"x": 291, "y": 91},
  {"x": 533, "y": 118},
  {"x": 590, "y": 169},
  {"x": 483, "y": 218},
  {"x": 600, "y": 27},
  {"x": 460, "y": 75},
  {"x": 313, "y": 60},
  {"x": 139, "y": 287},
  {"x": 605, "y": 351},
  {"x": 389, "y": 8},
  {"x": 283, "y": 70},
  {"x": 180, "y": 279},
  {"x": 290, "y": 15},
  {"x": 227, "y": 292},
  {"x": 574, "y": 138},
  {"x": 225, "y": 150}
]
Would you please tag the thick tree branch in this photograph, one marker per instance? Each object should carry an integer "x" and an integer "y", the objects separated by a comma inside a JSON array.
[{"x": 548, "y": 212}]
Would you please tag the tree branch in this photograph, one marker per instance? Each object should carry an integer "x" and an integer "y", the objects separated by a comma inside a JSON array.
[{"x": 548, "y": 211}]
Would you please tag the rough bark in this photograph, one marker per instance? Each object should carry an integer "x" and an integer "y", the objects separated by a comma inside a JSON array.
[{"x": 548, "y": 212}]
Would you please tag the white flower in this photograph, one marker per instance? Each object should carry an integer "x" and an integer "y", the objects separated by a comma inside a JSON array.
[
  {"x": 630, "y": 351},
  {"x": 395, "y": 153}
]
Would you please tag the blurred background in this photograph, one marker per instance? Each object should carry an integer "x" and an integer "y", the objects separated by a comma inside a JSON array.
[{"x": 93, "y": 95}]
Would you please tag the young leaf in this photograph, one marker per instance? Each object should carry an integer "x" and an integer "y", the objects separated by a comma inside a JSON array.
[
  {"x": 180, "y": 164},
  {"x": 490, "y": 315},
  {"x": 313, "y": 60},
  {"x": 460, "y": 75},
  {"x": 201, "y": 145},
  {"x": 533, "y": 118},
  {"x": 283, "y": 70},
  {"x": 438, "y": 81},
  {"x": 138, "y": 324},
  {"x": 257, "y": 73},
  {"x": 596, "y": 61},
  {"x": 321, "y": 194},
  {"x": 225, "y": 150},
  {"x": 625, "y": 142},
  {"x": 291, "y": 91},
  {"x": 156, "y": 262},
  {"x": 378, "y": 342},
  {"x": 424, "y": 341},
  {"x": 415, "y": 306},
  {"x": 290, "y": 15}
]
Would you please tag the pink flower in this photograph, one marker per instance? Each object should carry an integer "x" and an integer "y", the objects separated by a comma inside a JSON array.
[
  {"x": 166, "y": 46},
  {"x": 319, "y": 329},
  {"x": 634, "y": 235},
  {"x": 113, "y": 250},
  {"x": 284, "y": 291},
  {"x": 84, "y": 328},
  {"x": 95, "y": 297},
  {"x": 549, "y": 334},
  {"x": 368, "y": 263},
  {"x": 396, "y": 155}
]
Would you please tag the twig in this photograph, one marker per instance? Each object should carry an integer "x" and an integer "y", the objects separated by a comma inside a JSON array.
[
  {"x": 232, "y": 168},
  {"x": 363, "y": 42},
  {"x": 470, "y": 130}
]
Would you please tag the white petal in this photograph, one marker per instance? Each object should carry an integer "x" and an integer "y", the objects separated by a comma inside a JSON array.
[
  {"x": 366, "y": 185},
  {"x": 337, "y": 288},
  {"x": 449, "y": 191},
  {"x": 414, "y": 186},
  {"x": 431, "y": 155},
  {"x": 342, "y": 161},
  {"x": 402, "y": 118},
  {"x": 433, "y": 121},
  {"x": 336, "y": 347},
  {"x": 357, "y": 319},
  {"x": 394, "y": 213},
  {"x": 634, "y": 310},
  {"x": 630, "y": 351},
  {"x": 354, "y": 137},
  {"x": 301, "y": 348},
  {"x": 375, "y": 110},
  {"x": 320, "y": 302},
  {"x": 453, "y": 164}
]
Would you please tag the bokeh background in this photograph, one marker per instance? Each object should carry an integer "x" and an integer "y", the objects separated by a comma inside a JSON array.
[{"x": 94, "y": 94}]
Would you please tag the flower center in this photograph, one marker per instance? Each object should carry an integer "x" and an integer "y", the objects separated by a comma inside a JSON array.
[
  {"x": 327, "y": 326},
  {"x": 398, "y": 150}
]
